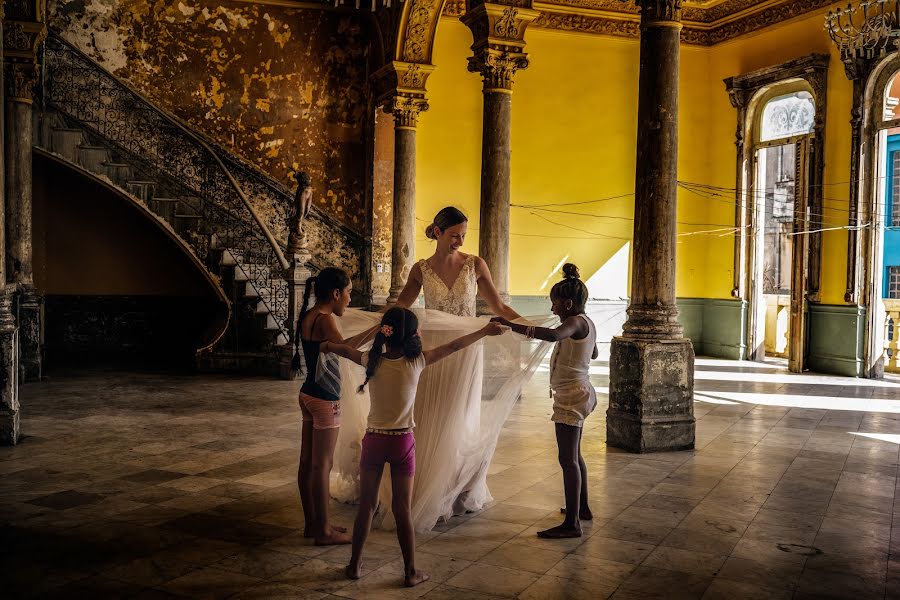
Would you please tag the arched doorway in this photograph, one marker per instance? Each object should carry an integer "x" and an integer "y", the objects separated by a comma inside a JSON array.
[{"x": 780, "y": 167}]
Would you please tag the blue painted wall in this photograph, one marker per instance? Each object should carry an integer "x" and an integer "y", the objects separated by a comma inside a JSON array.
[{"x": 891, "y": 236}]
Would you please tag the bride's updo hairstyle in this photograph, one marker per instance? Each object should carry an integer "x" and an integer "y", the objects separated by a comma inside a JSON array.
[
  {"x": 399, "y": 329},
  {"x": 571, "y": 288},
  {"x": 444, "y": 220}
]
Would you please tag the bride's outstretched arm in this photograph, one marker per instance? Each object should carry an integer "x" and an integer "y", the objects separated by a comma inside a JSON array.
[
  {"x": 410, "y": 292},
  {"x": 488, "y": 291},
  {"x": 569, "y": 328},
  {"x": 436, "y": 354}
]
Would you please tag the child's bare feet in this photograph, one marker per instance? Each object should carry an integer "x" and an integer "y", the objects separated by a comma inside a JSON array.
[
  {"x": 560, "y": 532},
  {"x": 584, "y": 514},
  {"x": 415, "y": 578},
  {"x": 354, "y": 571},
  {"x": 309, "y": 530},
  {"x": 334, "y": 538}
]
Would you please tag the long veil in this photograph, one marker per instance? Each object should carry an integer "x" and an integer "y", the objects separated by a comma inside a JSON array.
[{"x": 461, "y": 405}]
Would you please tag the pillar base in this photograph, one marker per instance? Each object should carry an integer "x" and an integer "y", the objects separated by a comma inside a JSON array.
[
  {"x": 10, "y": 431},
  {"x": 30, "y": 338},
  {"x": 651, "y": 395}
]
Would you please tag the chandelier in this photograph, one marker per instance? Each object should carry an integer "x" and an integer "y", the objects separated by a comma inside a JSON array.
[
  {"x": 867, "y": 30},
  {"x": 374, "y": 3}
]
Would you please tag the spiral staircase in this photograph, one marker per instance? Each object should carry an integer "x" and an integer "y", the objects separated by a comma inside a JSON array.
[{"x": 207, "y": 199}]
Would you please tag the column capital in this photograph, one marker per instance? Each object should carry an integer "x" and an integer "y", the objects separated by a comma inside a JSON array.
[
  {"x": 660, "y": 10},
  {"x": 21, "y": 40},
  {"x": 400, "y": 89},
  {"x": 498, "y": 31}
]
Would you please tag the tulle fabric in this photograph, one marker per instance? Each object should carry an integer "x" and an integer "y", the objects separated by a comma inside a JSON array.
[{"x": 461, "y": 405}]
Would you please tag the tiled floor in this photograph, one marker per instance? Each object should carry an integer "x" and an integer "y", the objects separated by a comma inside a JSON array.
[{"x": 153, "y": 486}]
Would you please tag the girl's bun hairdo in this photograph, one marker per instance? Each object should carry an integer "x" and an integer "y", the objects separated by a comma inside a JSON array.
[
  {"x": 429, "y": 232},
  {"x": 570, "y": 271}
]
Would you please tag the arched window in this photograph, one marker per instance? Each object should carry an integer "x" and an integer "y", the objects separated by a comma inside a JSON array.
[{"x": 787, "y": 116}]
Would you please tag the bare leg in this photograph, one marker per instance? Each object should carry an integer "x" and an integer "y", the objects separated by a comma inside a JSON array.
[
  {"x": 568, "y": 439},
  {"x": 401, "y": 489},
  {"x": 324, "y": 441},
  {"x": 584, "y": 510},
  {"x": 369, "y": 484},
  {"x": 304, "y": 480}
]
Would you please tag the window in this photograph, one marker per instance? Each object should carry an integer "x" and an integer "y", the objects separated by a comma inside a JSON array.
[
  {"x": 894, "y": 282},
  {"x": 787, "y": 116}
]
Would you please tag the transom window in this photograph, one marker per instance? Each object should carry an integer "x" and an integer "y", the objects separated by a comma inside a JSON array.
[{"x": 787, "y": 116}]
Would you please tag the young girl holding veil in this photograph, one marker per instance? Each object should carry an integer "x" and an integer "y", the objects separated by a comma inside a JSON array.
[{"x": 393, "y": 367}]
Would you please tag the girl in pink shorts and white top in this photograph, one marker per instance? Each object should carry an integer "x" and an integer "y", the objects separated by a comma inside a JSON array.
[
  {"x": 573, "y": 394},
  {"x": 393, "y": 367}
]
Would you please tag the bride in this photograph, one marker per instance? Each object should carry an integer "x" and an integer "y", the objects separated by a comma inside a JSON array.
[{"x": 459, "y": 411}]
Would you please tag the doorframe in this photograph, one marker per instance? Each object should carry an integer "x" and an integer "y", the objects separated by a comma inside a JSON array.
[{"x": 748, "y": 94}]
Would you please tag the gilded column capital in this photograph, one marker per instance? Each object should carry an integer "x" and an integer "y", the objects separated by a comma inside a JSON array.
[
  {"x": 21, "y": 40},
  {"x": 400, "y": 89},
  {"x": 406, "y": 109},
  {"x": 660, "y": 11},
  {"x": 498, "y": 31}
]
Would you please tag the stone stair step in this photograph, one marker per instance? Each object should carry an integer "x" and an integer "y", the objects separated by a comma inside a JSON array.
[
  {"x": 65, "y": 142},
  {"x": 92, "y": 157},
  {"x": 118, "y": 172},
  {"x": 282, "y": 339},
  {"x": 141, "y": 189}
]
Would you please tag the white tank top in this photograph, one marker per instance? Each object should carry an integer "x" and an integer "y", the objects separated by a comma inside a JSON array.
[{"x": 571, "y": 359}]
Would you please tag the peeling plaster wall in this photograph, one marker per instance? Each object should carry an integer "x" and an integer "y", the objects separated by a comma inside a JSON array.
[{"x": 283, "y": 88}]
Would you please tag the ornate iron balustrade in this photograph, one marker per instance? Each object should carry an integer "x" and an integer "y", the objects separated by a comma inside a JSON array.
[{"x": 81, "y": 90}]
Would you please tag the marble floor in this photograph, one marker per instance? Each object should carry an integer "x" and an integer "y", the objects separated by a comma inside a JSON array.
[{"x": 162, "y": 486}]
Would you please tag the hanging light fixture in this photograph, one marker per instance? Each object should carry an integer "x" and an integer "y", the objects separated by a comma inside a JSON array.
[{"x": 867, "y": 30}]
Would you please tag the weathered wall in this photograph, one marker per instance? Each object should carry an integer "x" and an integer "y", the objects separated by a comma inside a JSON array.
[{"x": 283, "y": 88}]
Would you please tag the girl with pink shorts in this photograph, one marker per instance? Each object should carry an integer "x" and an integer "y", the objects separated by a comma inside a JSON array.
[{"x": 393, "y": 367}]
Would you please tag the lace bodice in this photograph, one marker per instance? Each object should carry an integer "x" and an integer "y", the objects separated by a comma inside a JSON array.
[{"x": 459, "y": 299}]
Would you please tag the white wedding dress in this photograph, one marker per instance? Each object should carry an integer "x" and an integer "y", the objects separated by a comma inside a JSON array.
[{"x": 459, "y": 411}]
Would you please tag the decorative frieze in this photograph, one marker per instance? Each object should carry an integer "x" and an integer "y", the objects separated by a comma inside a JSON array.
[
  {"x": 499, "y": 43},
  {"x": 703, "y": 25},
  {"x": 21, "y": 40}
]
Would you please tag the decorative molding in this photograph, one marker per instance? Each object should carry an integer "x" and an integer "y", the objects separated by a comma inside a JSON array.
[
  {"x": 499, "y": 43},
  {"x": 660, "y": 10},
  {"x": 705, "y": 23},
  {"x": 21, "y": 70},
  {"x": 406, "y": 109}
]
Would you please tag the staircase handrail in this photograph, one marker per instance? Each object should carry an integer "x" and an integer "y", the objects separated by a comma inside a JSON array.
[{"x": 218, "y": 152}]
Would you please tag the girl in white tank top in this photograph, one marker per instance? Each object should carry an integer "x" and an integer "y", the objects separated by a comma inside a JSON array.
[{"x": 574, "y": 398}]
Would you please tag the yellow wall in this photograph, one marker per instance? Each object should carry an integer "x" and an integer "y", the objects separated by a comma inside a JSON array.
[{"x": 573, "y": 139}]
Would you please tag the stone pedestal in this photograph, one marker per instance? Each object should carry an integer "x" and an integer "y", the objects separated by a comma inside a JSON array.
[
  {"x": 296, "y": 277},
  {"x": 651, "y": 401},
  {"x": 30, "y": 347},
  {"x": 9, "y": 374}
]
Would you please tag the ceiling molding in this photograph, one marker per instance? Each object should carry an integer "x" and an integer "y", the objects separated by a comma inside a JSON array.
[{"x": 706, "y": 23}]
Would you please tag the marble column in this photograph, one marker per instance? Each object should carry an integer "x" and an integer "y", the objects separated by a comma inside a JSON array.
[
  {"x": 652, "y": 364},
  {"x": 498, "y": 52},
  {"x": 9, "y": 364},
  {"x": 21, "y": 40},
  {"x": 400, "y": 90},
  {"x": 405, "y": 108}
]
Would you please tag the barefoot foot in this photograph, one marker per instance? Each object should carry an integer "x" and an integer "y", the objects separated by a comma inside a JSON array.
[
  {"x": 415, "y": 578},
  {"x": 560, "y": 532},
  {"x": 333, "y": 539},
  {"x": 353, "y": 571},
  {"x": 584, "y": 514}
]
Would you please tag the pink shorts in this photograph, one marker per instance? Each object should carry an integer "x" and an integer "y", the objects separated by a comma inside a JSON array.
[
  {"x": 324, "y": 414},
  {"x": 399, "y": 451}
]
